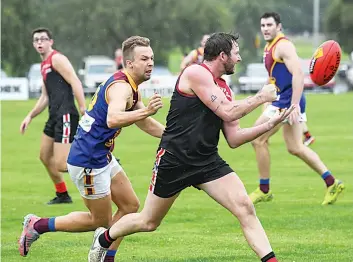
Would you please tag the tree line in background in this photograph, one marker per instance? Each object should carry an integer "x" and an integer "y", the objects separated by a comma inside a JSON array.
[{"x": 90, "y": 27}]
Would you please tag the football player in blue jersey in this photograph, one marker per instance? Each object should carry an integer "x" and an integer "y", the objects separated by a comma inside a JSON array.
[
  {"x": 98, "y": 176},
  {"x": 284, "y": 69}
]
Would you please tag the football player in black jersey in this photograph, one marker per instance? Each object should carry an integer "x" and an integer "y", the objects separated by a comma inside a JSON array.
[{"x": 60, "y": 85}]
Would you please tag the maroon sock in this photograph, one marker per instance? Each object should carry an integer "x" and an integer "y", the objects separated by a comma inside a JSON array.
[
  {"x": 265, "y": 185},
  {"x": 265, "y": 188},
  {"x": 329, "y": 180},
  {"x": 42, "y": 225},
  {"x": 109, "y": 259}
]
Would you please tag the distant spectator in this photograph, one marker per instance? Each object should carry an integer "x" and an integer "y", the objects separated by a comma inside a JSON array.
[{"x": 119, "y": 58}]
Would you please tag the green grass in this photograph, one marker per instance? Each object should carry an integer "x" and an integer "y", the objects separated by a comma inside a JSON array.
[{"x": 196, "y": 229}]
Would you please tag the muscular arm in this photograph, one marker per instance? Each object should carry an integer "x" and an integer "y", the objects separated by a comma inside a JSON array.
[
  {"x": 118, "y": 96},
  {"x": 149, "y": 125},
  {"x": 200, "y": 81},
  {"x": 41, "y": 104},
  {"x": 65, "y": 69},
  {"x": 237, "y": 136},
  {"x": 287, "y": 52}
]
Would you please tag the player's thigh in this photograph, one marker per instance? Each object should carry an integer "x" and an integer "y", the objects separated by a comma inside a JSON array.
[
  {"x": 46, "y": 148},
  {"x": 292, "y": 135},
  {"x": 268, "y": 112},
  {"x": 166, "y": 184},
  {"x": 100, "y": 209},
  {"x": 94, "y": 187},
  {"x": 92, "y": 183},
  {"x": 123, "y": 194},
  {"x": 228, "y": 191},
  {"x": 61, "y": 152},
  {"x": 156, "y": 208}
]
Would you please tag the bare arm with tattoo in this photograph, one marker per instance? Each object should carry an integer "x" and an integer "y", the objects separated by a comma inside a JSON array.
[
  {"x": 237, "y": 136},
  {"x": 201, "y": 83}
]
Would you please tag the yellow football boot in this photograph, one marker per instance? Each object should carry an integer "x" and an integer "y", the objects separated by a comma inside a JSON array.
[
  {"x": 332, "y": 192},
  {"x": 259, "y": 196}
]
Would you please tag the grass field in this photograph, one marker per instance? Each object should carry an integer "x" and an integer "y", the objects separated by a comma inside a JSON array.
[{"x": 196, "y": 229}]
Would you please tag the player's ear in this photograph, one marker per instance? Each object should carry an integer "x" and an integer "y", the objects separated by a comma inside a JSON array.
[
  {"x": 223, "y": 55},
  {"x": 279, "y": 27},
  {"x": 129, "y": 64}
]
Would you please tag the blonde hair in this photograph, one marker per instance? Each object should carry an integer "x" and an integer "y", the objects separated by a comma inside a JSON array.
[{"x": 130, "y": 44}]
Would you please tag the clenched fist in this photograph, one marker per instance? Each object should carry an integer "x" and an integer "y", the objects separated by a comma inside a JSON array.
[
  {"x": 269, "y": 92},
  {"x": 155, "y": 104}
]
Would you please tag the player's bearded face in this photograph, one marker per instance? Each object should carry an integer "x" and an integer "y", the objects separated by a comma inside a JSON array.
[
  {"x": 233, "y": 59},
  {"x": 229, "y": 67}
]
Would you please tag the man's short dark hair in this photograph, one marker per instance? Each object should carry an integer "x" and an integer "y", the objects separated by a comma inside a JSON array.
[
  {"x": 41, "y": 30},
  {"x": 274, "y": 15},
  {"x": 217, "y": 43}
]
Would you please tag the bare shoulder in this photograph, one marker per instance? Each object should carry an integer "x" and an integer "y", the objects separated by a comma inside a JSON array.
[
  {"x": 119, "y": 89},
  {"x": 58, "y": 57},
  {"x": 197, "y": 73},
  {"x": 284, "y": 46}
]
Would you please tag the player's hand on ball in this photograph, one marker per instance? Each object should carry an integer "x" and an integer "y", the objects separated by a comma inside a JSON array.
[
  {"x": 25, "y": 124},
  {"x": 155, "y": 104},
  {"x": 269, "y": 92}
]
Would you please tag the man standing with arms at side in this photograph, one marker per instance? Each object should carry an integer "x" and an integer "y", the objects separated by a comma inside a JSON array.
[{"x": 60, "y": 85}]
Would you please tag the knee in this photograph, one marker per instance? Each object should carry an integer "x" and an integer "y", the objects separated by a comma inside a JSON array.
[
  {"x": 44, "y": 159},
  {"x": 245, "y": 208},
  {"x": 259, "y": 142},
  {"x": 150, "y": 226},
  {"x": 148, "y": 221},
  {"x": 295, "y": 151},
  {"x": 61, "y": 165},
  {"x": 131, "y": 207},
  {"x": 101, "y": 221}
]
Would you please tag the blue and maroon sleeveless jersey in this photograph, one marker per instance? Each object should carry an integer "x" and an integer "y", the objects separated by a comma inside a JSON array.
[
  {"x": 94, "y": 140},
  {"x": 279, "y": 75}
]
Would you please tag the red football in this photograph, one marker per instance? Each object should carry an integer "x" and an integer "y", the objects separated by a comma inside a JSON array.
[{"x": 325, "y": 62}]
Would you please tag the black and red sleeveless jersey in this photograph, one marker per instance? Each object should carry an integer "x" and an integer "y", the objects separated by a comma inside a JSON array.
[
  {"x": 192, "y": 129},
  {"x": 61, "y": 98}
]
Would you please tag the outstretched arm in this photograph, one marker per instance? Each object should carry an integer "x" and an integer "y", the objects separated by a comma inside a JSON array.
[
  {"x": 237, "y": 136},
  {"x": 202, "y": 84}
]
